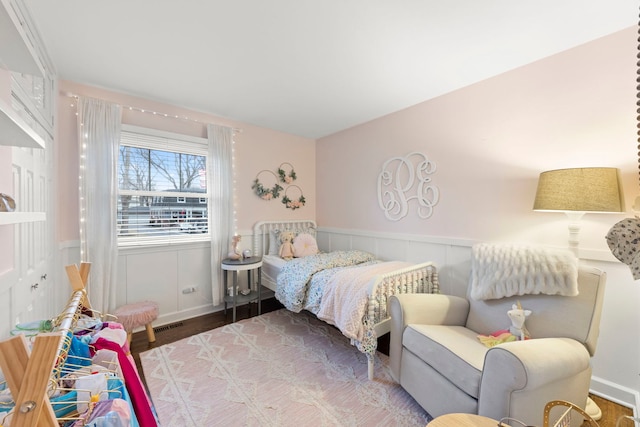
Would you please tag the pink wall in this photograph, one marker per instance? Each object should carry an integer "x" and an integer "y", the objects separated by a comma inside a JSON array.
[
  {"x": 490, "y": 141},
  {"x": 255, "y": 149}
]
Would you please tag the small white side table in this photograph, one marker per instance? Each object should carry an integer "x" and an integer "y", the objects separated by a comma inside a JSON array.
[
  {"x": 464, "y": 420},
  {"x": 236, "y": 265}
]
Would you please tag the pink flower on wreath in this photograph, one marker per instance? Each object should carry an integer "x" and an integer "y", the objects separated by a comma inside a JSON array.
[
  {"x": 294, "y": 204},
  {"x": 288, "y": 179},
  {"x": 267, "y": 196}
]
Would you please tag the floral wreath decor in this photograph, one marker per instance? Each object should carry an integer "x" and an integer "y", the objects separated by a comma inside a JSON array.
[
  {"x": 287, "y": 179},
  {"x": 266, "y": 193},
  {"x": 293, "y": 204}
]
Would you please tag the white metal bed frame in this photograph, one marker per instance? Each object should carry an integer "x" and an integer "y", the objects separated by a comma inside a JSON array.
[{"x": 419, "y": 278}]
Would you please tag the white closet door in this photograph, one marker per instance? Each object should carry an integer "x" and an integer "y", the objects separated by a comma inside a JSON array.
[{"x": 32, "y": 292}]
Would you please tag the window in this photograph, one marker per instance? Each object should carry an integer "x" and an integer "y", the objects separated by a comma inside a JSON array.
[{"x": 162, "y": 196}]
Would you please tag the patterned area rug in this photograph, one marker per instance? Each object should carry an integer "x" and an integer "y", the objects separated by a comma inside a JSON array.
[{"x": 278, "y": 369}]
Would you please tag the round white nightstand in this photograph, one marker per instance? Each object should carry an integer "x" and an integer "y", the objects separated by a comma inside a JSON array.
[{"x": 236, "y": 265}]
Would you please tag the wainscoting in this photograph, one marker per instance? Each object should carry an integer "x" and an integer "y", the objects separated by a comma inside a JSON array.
[
  {"x": 615, "y": 375},
  {"x": 452, "y": 256},
  {"x": 163, "y": 273},
  {"x": 177, "y": 277}
]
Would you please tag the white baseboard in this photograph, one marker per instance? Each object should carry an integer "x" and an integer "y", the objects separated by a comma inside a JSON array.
[{"x": 616, "y": 393}]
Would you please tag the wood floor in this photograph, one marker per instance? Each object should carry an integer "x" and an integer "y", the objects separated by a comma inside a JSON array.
[{"x": 174, "y": 332}]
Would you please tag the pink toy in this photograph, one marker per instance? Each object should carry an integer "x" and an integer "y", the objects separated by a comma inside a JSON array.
[{"x": 235, "y": 252}]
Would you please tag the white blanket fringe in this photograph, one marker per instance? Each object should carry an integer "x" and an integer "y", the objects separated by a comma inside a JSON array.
[{"x": 503, "y": 270}]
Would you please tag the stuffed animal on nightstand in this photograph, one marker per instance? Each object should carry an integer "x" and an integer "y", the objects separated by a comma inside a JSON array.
[
  {"x": 234, "y": 253},
  {"x": 286, "y": 246}
]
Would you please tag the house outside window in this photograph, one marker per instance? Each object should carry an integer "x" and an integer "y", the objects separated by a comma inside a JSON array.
[{"x": 162, "y": 188}]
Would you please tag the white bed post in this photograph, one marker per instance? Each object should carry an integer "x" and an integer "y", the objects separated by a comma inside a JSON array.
[{"x": 370, "y": 363}]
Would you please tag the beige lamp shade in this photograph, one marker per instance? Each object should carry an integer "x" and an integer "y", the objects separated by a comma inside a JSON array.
[{"x": 580, "y": 189}]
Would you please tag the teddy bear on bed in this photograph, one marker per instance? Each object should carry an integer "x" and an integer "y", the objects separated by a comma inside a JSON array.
[{"x": 286, "y": 246}]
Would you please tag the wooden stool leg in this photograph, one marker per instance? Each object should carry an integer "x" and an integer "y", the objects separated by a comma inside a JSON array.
[
  {"x": 129, "y": 334},
  {"x": 150, "y": 334}
]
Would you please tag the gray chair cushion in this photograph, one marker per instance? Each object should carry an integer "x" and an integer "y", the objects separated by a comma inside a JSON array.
[{"x": 453, "y": 351}]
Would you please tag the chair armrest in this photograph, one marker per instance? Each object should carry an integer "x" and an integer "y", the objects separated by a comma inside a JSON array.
[
  {"x": 426, "y": 309},
  {"x": 528, "y": 368}
]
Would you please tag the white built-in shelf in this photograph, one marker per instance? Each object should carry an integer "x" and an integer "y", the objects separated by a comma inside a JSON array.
[
  {"x": 15, "y": 131},
  {"x": 20, "y": 217},
  {"x": 18, "y": 52}
]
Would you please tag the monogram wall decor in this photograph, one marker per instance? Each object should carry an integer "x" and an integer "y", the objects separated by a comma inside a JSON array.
[{"x": 405, "y": 182}]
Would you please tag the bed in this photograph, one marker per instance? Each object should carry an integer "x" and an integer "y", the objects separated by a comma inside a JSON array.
[{"x": 316, "y": 283}]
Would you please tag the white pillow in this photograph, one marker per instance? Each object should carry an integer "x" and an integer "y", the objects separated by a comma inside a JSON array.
[{"x": 304, "y": 244}]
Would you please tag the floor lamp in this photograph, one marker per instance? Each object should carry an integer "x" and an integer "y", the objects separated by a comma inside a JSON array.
[{"x": 576, "y": 192}]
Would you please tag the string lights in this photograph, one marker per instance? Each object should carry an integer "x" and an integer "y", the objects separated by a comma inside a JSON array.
[
  {"x": 235, "y": 186},
  {"x": 82, "y": 166},
  {"x": 152, "y": 112}
]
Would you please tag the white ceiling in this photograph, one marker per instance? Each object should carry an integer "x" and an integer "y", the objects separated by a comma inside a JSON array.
[{"x": 309, "y": 67}]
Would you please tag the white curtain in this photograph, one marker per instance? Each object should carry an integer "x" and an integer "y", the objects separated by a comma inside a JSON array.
[
  {"x": 99, "y": 125},
  {"x": 220, "y": 185}
]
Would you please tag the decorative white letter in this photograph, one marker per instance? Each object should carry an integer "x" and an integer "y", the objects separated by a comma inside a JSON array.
[{"x": 396, "y": 187}]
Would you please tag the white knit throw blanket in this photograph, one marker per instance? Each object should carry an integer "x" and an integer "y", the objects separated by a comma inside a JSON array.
[{"x": 503, "y": 270}]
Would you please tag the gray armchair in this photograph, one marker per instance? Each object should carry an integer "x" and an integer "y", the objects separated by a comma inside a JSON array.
[{"x": 436, "y": 356}]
